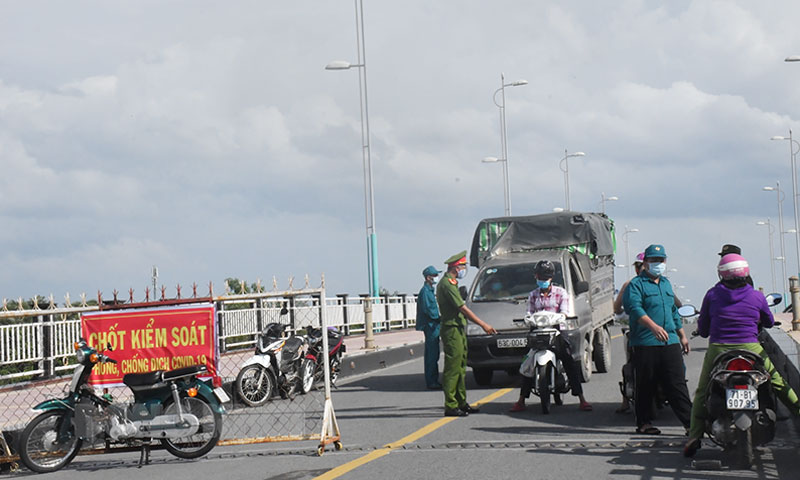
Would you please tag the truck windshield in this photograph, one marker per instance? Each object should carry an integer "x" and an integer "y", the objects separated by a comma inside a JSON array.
[{"x": 509, "y": 282}]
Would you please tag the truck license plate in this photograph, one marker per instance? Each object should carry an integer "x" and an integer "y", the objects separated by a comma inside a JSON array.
[
  {"x": 741, "y": 399},
  {"x": 512, "y": 342}
]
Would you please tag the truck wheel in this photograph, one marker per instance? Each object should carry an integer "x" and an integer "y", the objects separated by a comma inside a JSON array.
[
  {"x": 602, "y": 350},
  {"x": 482, "y": 376},
  {"x": 586, "y": 361}
]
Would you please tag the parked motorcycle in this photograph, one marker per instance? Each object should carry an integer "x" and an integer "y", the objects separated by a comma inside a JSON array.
[
  {"x": 336, "y": 348},
  {"x": 741, "y": 402},
  {"x": 549, "y": 375},
  {"x": 279, "y": 364},
  {"x": 174, "y": 406}
]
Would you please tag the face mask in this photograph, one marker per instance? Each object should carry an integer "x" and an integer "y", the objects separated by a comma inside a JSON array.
[
  {"x": 657, "y": 269},
  {"x": 543, "y": 284},
  {"x": 462, "y": 273},
  {"x": 434, "y": 280}
]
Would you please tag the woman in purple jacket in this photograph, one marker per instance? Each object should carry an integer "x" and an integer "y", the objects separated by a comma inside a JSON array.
[{"x": 729, "y": 317}]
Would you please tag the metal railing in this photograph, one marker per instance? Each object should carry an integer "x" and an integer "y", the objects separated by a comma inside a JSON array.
[{"x": 39, "y": 345}]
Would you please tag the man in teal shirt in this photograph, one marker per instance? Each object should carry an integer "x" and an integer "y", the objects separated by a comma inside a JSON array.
[
  {"x": 428, "y": 322},
  {"x": 658, "y": 342}
]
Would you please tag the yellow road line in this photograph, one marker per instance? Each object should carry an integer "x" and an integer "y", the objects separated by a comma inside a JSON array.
[{"x": 353, "y": 464}]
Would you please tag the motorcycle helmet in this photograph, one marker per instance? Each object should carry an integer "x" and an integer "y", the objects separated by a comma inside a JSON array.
[
  {"x": 544, "y": 269},
  {"x": 733, "y": 266}
]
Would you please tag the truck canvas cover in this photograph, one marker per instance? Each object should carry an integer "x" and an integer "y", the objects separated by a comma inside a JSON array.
[{"x": 593, "y": 232}]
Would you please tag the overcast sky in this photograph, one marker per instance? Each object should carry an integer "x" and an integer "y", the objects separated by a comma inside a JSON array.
[{"x": 208, "y": 139}]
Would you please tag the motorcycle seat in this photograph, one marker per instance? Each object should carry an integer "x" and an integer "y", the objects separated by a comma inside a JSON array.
[
  {"x": 185, "y": 372},
  {"x": 142, "y": 379}
]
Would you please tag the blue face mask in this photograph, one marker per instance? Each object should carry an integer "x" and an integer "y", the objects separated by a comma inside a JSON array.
[
  {"x": 543, "y": 284},
  {"x": 657, "y": 269},
  {"x": 462, "y": 273}
]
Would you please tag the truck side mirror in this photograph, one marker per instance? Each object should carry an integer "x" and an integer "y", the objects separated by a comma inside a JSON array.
[
  {"x": 463, "y": 291},
  {"x": 581, "y": 287}
]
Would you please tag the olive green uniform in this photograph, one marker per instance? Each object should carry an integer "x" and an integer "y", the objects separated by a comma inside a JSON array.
[{"x": 454, "y": 340}]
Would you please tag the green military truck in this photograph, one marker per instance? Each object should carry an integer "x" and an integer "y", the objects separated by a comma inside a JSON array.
[{"x": 505, "y": 251}]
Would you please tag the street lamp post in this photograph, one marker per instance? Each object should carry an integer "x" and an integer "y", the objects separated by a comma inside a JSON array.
[
  {"x": 628, "y": 231},
  {"x": 771, "y": 252},
  {"x": 369, "y": 197},
  {"x": 793, "y": 154},
  {"x": 565, "y": 168},
  {"x": 781, "y": 196},
  {"x": 604, "y": 199},
  {"x": 504, "y": 139}
]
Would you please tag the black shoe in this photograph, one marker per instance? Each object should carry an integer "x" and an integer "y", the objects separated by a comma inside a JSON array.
[
  {"x": 438, "y": 386},
  {"x": 467, "y": 409},
  {"x": 454, "y": 412}
]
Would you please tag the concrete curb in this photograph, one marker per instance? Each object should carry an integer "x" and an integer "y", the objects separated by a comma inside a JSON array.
[
  {"x": 784, "y": 353},
  {"x": 360, "y": 363}
]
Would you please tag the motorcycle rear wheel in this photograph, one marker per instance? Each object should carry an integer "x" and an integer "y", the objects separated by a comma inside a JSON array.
[
  {"x": 254, "y": 385},
  {"x": 744, "y": 448},
  {"x": 543, "y": 379},
  {"x": 37, "y": 446},
  {"x": 206, "y": 437}
]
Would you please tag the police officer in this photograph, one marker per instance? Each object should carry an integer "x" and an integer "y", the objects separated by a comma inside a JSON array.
[
  {"x": 428, "y": 322},
  {"x": 454, "y": 314}
]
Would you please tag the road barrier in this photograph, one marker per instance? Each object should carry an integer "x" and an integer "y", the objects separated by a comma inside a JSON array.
[{"x": 37, "y": 356}]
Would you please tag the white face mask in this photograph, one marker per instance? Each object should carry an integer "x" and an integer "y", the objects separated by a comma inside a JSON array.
[{"x": 462, "y": 273}]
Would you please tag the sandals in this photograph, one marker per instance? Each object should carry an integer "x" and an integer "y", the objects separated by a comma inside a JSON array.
[
  {"x": 691, "y": 448},
  {"x": 585, "y": 407},
  {"x": 517, "y": 407},
  {"x": 624, "y": 409},
  {"x": 648, "y": 430}
]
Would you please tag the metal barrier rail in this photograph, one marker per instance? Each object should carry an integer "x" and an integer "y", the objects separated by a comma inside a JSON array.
[{"x": 40, "y": 346}]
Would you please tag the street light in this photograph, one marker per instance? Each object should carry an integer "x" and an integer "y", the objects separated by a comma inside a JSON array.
[
  {"x": 628, "y": 231},
  {"x": 793, "y": 153},
  {"x": 565, "y": 169},
  {"x": 369, "y": 197},
  {"x": 771, "y": 253},
  {"x": 504, "y": 139},
  {"x": 781, "y": 196},
  {"x": 604, "y": 199},
  {"x": 792, "y": 58}
]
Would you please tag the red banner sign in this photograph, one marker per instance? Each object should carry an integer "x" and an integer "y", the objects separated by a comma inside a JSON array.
[{"x": 149, "y": 340}]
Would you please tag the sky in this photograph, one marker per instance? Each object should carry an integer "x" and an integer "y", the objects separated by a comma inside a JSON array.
[{"x": 207, "y": 138}]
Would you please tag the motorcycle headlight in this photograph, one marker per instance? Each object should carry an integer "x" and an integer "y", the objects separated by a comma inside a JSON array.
[{"x": 80, "y": 355}]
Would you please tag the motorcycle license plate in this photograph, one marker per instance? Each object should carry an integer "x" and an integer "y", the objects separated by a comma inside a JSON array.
[
  {"x": 512, "y": 342},
  {"x": 221, "y": 395},
  {"x": 736, "y": 399}
]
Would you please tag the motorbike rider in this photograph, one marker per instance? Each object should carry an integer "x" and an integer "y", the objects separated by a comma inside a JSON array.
[
  {"x": 552, "y": 298},
  {"x": 729, "y": 317}
]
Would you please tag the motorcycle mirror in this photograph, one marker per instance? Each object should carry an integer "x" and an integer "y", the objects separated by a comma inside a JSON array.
[
  {"x": 284, "y": 310},
  {"x": 774, "y": 299},
  {"x": 109, "y": 348},
  {"x": 687, "y": 311}
]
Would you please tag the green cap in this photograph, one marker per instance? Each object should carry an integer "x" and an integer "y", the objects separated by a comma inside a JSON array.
[{"x": 457, "y": 259}]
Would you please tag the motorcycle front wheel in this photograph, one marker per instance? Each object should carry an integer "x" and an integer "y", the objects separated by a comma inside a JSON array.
[
  {"x": 543, "y": 379},
  {"x": 40, "y": 449},
  {"x": 206, "y": 437},
  {"x": 254, "y": 385},
  {"x": 306, "y": 378}
]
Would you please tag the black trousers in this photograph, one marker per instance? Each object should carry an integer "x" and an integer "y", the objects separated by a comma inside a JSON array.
[
  {"x": 563, "y": 352},
  {"x": 660, "y": 365}
]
